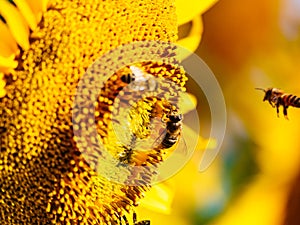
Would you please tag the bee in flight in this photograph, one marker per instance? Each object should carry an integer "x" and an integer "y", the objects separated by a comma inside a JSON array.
[
  {"x": 277, "y": 97},
  {"x": 140, "y": 80}
]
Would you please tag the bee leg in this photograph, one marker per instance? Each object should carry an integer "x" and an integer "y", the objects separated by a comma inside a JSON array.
[
  {"x": 285, "y": 112},
  {"x": 277, "y": 109},
  {"x": 271, "y": 103}
]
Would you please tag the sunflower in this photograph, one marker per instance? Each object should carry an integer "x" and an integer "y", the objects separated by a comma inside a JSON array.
[{"x": 45, "y": 49}]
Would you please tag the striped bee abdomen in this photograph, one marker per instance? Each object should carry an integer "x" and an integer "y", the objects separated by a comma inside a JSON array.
[{"x": 291, "y": 100}]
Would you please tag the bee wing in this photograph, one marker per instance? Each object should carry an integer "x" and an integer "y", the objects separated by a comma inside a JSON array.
[
  {"x": 143, "y": 80},
  {"x": 121, "y": 130},
  {"x": 159, "y": 140},
  {"x": 179, "y": 147},
  {"x": 149, "y": 143},
  {"x": 138, "y": 73}
]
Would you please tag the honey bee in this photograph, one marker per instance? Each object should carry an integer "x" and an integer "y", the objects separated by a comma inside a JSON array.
[
  {"x": 277, "y": 97},
  {"x": 173, "y": 132},
  {"x": 142, "y": 222},
  {"x": 140, "y": 80},
  {"x": 171, "y": 136}
]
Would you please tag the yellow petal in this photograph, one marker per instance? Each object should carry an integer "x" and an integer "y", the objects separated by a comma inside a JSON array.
[
  {"x": 188, "y": 102},
  {"x": 8, "y": 45},
  {"x": 2, "y": 85},
  {"x": 16, "y": 23},
  {"x": 27, "y": 12},
  {"x": 2, "y": 93},
  {"x": 159, "y": 198},
  {"x": 7, "y": 63},
  {"x": 192, "y": 41},
  {"x": 188, "y": 9},
  {"x": 38, "y": 7}
]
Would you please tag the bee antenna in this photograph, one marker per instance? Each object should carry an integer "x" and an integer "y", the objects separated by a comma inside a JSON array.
[{"x": 261, "y": 89}]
